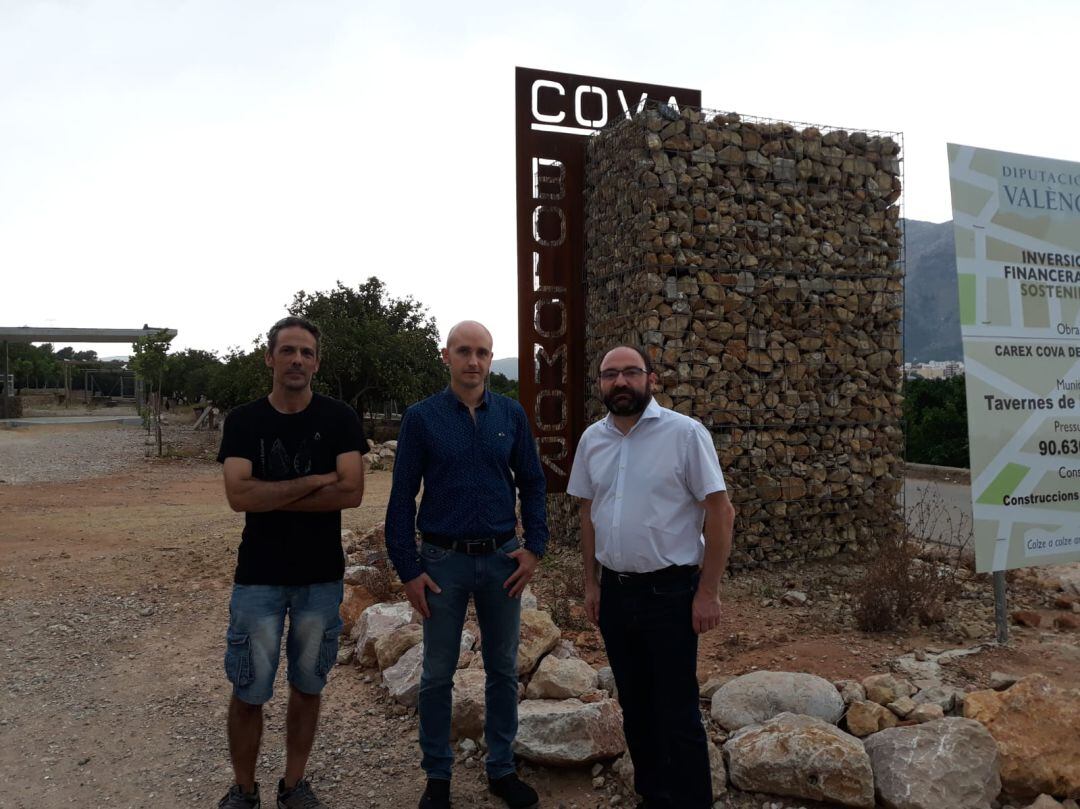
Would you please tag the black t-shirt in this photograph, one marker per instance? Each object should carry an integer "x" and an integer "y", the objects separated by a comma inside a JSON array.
[{"x": 291, "y": 547}]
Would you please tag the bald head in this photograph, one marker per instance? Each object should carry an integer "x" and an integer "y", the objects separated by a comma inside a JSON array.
[
  {"x": 468, "y": 356},
  {"x": 470, "y": 330}
]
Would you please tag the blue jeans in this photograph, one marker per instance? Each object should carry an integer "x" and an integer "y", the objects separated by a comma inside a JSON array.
[
  {"x": 256, "y": 623},
  {"x": 460, "y": 576}
]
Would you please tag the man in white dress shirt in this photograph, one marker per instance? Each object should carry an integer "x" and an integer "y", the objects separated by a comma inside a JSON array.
[{"x": 650, "y": 484}]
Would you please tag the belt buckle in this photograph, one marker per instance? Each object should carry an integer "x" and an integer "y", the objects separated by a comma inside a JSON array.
[
  {"x": 476, "y": 547},
  {"x": 623, "y": 577}
]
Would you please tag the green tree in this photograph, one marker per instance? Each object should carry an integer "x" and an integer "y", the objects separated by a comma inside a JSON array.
[
  {"x": 500, "y": 383},
  {"x": 148, "y": 357},
  {"x": 374, "y": 348},
  {"x": 187, "y": 374},
  {"x": 240, "y": 377},
  {"x": 69, "y": 353},
  {"x": 33, "y": 366},
  {"x": 935, "y": 411}
]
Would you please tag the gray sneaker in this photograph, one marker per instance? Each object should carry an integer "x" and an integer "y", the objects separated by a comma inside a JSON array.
[
  {"x": 236, "y": 798},
  {"x": 299, "y": 797}
]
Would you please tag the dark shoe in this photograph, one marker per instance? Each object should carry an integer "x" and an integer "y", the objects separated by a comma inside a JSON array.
[
  {"x": 515, "y": 792},
  {"x": 299, "y": 797},
  {"x": 236, "y": 798},
  {"x": 436, "y": 794}
]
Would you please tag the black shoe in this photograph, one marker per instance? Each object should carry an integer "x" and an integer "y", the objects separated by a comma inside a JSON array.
[
  {"x": 515, "y": 792},
  {"x": 436, "y": 794},
  {"x": 236, "y": 798},
  {"x": 299, "y": 797}
]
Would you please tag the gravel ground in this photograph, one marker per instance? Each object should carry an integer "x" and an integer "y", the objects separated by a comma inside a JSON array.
[
  {"x": 115, "y": 574},
  {"x": 40, "y": 454}
]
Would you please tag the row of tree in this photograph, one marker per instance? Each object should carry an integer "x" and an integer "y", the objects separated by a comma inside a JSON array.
[
  {"x": 375, "y": 349},
  {"x": 42, "y": 366}
]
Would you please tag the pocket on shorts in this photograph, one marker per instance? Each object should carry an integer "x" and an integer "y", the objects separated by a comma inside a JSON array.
[
  {"x": 238, "y": 659},
  {"x": 328, "y": 650}
]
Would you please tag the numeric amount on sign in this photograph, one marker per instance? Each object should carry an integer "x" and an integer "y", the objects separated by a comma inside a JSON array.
[{"x": 1067, "y": 446}]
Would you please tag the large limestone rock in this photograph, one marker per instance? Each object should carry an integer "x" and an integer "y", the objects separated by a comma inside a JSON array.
[
  {"x": 717, "y": 770},
  {"x": 402, "y": 679},
  {"x": 760, "y": 695},
  {"x": 1037, "y": 729},
  {"x": 801, "y": 757},
  {"x": 354, "y": 601},
  {"x": 949, "y": 762},
  {"x": 865, "y": 717},
  {"x": 389, "y": 648},
  {"x": 528, "y": 598},
  {"x": 538, "y": 637},
  {"x": 945, "y": 696},
  {"x": 624, "y": 770},
  {"x": 885, "y": 688},
  {"x": 561, "y": 679},
  {"x": 376, "y": 621},
  {"x": 467, "y": 716},
  {"x": 568, "y": 732}
]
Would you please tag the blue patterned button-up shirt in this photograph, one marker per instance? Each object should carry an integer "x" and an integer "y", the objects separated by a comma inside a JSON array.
[{"x": 470, "y": 470}]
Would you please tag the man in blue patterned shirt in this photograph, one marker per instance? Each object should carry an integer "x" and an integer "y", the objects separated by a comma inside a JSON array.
[{"x": 472, "y": 449}]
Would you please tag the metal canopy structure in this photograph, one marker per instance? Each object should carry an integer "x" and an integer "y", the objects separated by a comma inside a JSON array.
[{"x": 32, "y": 334}]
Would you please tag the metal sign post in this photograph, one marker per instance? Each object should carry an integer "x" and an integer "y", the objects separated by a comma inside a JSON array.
[
  {"x": 555, "y": 113},
  {"x": 1001, "y": 619}
]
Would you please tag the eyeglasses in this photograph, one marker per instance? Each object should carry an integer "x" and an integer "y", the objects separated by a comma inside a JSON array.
[{"x": 629, "y": 374}]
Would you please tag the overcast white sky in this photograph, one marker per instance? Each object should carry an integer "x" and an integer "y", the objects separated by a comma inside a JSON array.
[{"x": 194, "y": 163}]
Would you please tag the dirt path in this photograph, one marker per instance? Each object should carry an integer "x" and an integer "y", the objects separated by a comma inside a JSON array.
[{"x": 114, "y": 588}]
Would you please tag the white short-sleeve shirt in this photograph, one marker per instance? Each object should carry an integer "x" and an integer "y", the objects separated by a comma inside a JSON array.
[{"x": 646, "y": 489}]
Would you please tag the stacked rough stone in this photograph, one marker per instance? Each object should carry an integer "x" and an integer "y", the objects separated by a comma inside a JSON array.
[{"x": 760, "y": 266}]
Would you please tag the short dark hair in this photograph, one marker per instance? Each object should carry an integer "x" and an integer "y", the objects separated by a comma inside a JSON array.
[
  {"x": 646, "y": 362},
  {"x": 290, "y": 322}
]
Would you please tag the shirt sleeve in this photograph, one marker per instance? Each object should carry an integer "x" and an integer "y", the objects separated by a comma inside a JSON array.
[
  {"x": 401, "y": 508},
  {"x": 530, "y": 482},
  {"x": 703, "y": 475},
  {"x": 351, "y": 434},
  {"x": 580, "y": 483},
  {"x": 236, "y": 442}
]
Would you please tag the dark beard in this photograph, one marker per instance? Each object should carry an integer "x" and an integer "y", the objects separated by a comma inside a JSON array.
[{"x": 634, "y": 406}]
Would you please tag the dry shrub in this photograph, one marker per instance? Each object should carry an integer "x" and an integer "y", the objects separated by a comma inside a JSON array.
[
  {"x": 559, "y": 586},
  {"x": 914, "y": 572}
]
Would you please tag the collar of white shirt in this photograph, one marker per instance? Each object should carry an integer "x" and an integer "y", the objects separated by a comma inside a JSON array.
[{"x": 652, "y": 411}]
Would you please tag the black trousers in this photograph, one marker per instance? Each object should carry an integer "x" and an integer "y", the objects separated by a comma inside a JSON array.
[{"x": 652, "y": 649}]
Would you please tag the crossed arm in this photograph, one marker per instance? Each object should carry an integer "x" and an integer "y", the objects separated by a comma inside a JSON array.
[{"x": 343, "y": 488}]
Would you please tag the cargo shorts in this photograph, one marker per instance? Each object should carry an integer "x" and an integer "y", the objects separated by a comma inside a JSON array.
[{"x": 257, "y": 615}]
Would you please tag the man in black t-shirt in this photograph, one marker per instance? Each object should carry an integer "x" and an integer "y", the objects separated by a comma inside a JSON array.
[{"x": 292, "y": 461}]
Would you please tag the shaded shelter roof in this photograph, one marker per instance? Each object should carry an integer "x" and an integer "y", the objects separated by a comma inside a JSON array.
[{"x": 32, "y": 334}]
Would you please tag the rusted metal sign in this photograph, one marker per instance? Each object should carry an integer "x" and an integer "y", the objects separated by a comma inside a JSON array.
[{"x": 555, "y": 113}]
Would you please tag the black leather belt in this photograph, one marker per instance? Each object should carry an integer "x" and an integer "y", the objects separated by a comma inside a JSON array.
[
  {"x": 661, "y": 576},
  {"x": 470, "y": 546}
]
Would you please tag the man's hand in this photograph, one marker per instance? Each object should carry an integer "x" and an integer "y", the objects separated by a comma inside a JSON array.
[
  {"x": 706, "y": 611},
  {"x": 416, "y": 591},
  {"x": 527, "y": 562},
  {"x": 592, "y": 602}
]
